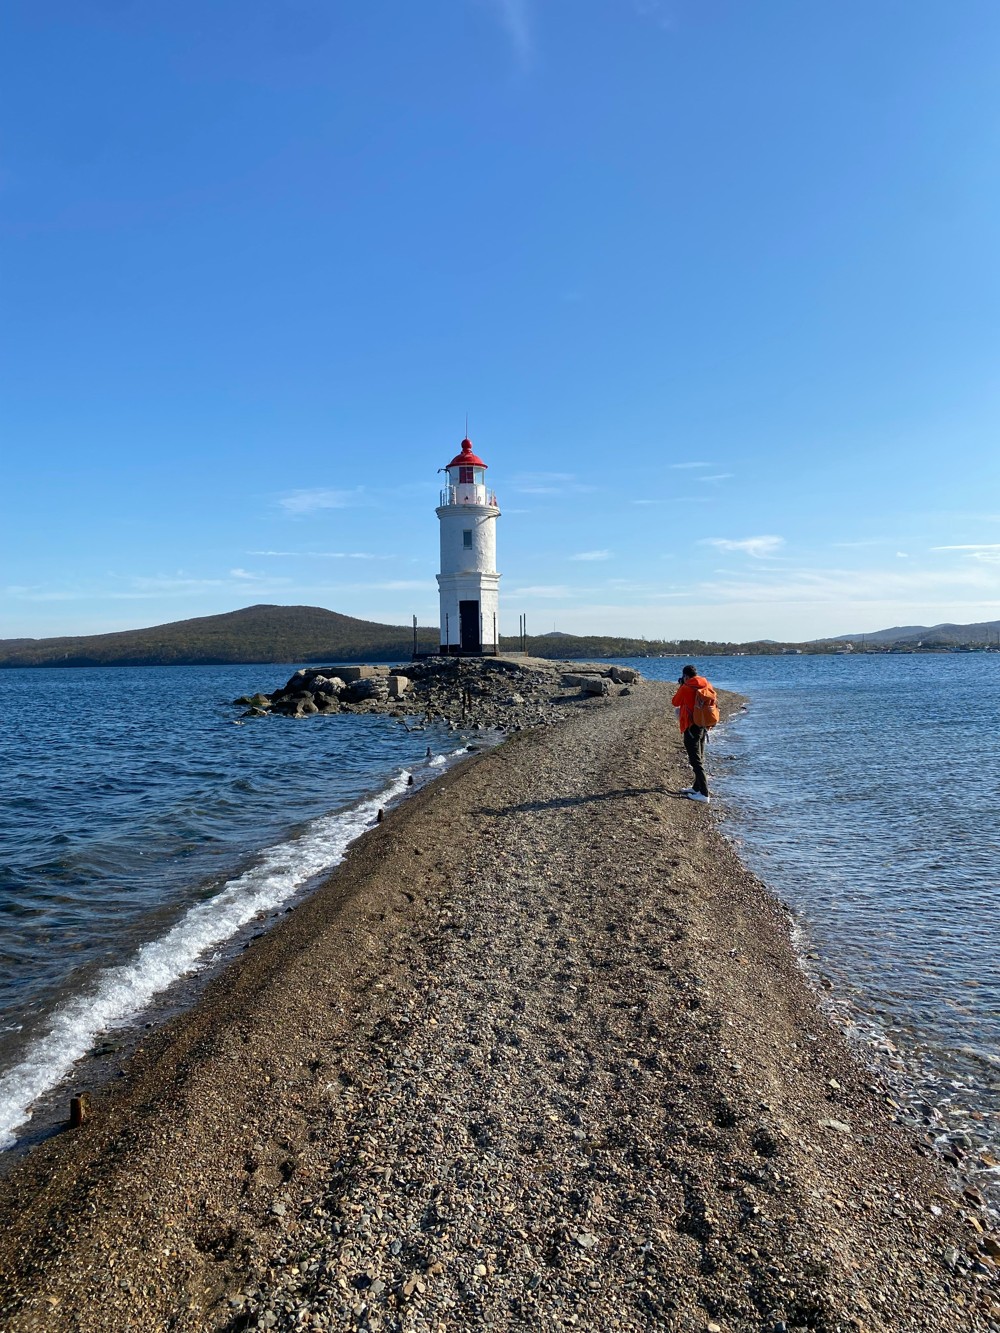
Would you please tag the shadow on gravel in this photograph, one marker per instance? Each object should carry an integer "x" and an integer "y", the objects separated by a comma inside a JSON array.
[{"x": 565, "y": 802}]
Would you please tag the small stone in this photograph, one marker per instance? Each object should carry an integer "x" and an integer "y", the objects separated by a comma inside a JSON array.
[
  {"x": 585, "y": 1239},
  {"x": 278, "y": 1209},
  {"x": 950, "y": 1256},
  {"x": 838, "y": 1125}
]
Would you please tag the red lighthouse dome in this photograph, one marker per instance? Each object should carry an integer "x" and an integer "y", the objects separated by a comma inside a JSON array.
[{"x": 467, "y": 458}]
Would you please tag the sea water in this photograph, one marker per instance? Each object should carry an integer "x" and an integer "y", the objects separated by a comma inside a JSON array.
[
  {"x": 865, "y": 791},
  {"x": 144, "y": 825}
]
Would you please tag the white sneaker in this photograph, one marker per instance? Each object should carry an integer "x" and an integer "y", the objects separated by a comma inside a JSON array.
[{"x": 697, "y": 796}]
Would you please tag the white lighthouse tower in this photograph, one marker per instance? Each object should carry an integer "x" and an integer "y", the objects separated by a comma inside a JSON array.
[{"x": 469, "y": 582}]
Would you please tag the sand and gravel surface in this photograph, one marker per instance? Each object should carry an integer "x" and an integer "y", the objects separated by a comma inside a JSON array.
[{"x": 538, "y": 1056}]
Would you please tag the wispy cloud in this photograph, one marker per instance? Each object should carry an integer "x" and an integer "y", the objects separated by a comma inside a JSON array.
[
  {"x": 158, "y": 585},
  {"x": 403, "y": 585},
  {"x": 542, "y": 590},
  {"x": 549, "y": 483},
  {"x": 24, "y": 592},
  {"x": 308, "y": 501},
  {"x": 754, "y": 546},
  {"x": 143, "y": 587},
  {"x": 987, "y": 552},
  {"x": 656, "y": 11},
  {"x": 686, "y": 467},
  {"x": 591, "y": 555},
  {"x": 717, "y": 476},
  {"x": 848, "y": 586},
  {"x": 324, "y": 555},
  {"x": 515, "y": 20}
]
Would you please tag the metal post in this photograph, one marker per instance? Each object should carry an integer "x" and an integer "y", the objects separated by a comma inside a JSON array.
[
  {"x": 496, "y": 646},
  {"x": 447, "y": 634}
]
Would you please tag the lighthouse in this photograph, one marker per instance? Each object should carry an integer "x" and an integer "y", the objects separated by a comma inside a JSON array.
[{"x": 468, "y": 582}]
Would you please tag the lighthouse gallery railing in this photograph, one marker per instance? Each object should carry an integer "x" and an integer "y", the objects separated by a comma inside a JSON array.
[{"x": 468, "y": 495}]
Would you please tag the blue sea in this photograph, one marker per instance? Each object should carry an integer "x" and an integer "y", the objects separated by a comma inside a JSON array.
[
  {"x": 865, "y": 791},
  {"x": 145, "y": 831}
]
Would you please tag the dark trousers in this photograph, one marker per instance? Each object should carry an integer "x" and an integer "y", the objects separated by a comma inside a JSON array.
[{"x": 694, "y": 743}]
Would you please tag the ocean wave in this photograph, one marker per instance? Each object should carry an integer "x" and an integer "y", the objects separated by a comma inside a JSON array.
[{"x": 119, "y": 994}]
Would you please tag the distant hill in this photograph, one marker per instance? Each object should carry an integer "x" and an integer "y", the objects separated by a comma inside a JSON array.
[
  {"x": 929, "y": 636},
  {"x": 255, "y": 634},
  {"x": 312, "y": 634},
  {"x": 306, "y": 634}
]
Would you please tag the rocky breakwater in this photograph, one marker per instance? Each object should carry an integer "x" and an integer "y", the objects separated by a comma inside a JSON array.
[
  {"x": 333, "y": 689},
  {"x": 504, "y": 693}
]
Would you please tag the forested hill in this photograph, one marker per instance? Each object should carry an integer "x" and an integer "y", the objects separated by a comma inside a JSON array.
[
  {"x": 301, "y": 634},
  {"x": 255, "y": 634}
]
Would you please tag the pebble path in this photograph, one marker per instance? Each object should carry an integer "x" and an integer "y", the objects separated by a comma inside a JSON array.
[{"x": 553, "y": 1065}]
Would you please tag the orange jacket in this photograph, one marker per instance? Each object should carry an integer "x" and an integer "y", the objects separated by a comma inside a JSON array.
[{"x": 684, "y": 699}]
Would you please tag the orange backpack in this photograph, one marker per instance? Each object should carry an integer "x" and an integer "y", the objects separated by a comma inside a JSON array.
[{"x": 705, "y": 710}]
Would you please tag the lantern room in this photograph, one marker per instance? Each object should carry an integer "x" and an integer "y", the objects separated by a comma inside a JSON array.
[{"x": 466, "y": 480}]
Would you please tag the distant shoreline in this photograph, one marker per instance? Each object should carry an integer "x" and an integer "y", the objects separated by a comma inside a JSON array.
[
  {"x": 313, "y": 635},
  {"x": 403, "y": 657}
]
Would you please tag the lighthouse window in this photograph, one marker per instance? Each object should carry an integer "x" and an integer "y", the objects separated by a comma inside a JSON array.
[
  {"x": 467, "y": 539},
  {"x": 465, "y": 476}
]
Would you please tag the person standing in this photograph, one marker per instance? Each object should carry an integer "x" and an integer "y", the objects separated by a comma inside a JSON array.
[{"x": 691, "y": 701}]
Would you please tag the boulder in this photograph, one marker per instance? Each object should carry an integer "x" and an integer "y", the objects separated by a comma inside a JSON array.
[
  {"x": 358, "y": 691},
  {"x": 596, "y": 685},
  {"x": 579, "y": 681},
  {"x": 624, "y": 675},
  {"x": 353, "y": 673},
  {"x": 398, "y": 686}
]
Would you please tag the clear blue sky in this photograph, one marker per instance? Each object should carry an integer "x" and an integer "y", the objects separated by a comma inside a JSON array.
[{"x": 718, "y": 284}]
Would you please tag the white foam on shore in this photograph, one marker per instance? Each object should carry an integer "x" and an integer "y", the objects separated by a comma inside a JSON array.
[{"x": 119, "y": 994}]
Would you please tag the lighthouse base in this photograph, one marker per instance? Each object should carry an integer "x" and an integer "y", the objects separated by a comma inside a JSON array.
[
  {"x": 456, "y": 650},
  {"x": 469, "y": 620}
]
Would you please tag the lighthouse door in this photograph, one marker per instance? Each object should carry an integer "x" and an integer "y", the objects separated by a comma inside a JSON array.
[{"x": 469, "y": 616}]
